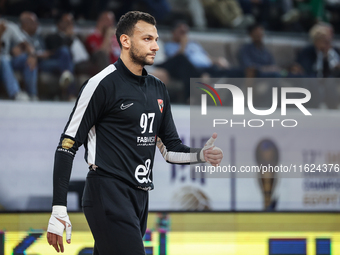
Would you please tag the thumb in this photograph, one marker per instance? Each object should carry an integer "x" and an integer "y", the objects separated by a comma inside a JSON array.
[
  {"x": 211, "y": 141},
  {"x": 68, "y": 230}
]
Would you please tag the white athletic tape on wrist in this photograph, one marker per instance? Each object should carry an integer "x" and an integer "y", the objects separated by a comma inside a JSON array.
[
  {"x": 209, "y": 144},
  {"x": 55, "y": 226}
]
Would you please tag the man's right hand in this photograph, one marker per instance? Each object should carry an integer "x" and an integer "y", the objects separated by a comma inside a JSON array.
[
  {"x": 183, "y": 44},
  {"x": 58, "y": 222}
]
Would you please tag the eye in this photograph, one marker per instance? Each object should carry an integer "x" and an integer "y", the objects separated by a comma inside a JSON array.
[{"x": 147, "y": 39}]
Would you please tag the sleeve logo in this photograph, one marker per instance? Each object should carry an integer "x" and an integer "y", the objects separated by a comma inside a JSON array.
[{"x": 67, "y": 143}]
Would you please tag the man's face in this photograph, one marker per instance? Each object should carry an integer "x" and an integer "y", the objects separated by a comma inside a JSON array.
[
  {"x": 323, "y": 43},
  {"x": 107, "y": 20},
  {"x": 143, "y": 43},
  {"x": 66, "y": 22},
  {"x": 257, "y": 35},
  {"x": 180, "y": 31},
  {"x": 31, "y": 24}
]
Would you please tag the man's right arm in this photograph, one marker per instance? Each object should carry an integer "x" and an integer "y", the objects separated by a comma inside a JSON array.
[
  {"x": 63, "y": 161},
  {"x": 89, "y": 107}
]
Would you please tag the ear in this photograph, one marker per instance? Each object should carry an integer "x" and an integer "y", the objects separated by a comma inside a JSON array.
[{"x": 125, "y": 41}]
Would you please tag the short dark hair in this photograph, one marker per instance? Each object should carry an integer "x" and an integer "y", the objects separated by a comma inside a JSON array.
[
  {"x": 252, "y": 27},
  {"x": 177, "y": 23},
  {"x": 128, "y": 21},
  {"x": 60, "y": 16}
]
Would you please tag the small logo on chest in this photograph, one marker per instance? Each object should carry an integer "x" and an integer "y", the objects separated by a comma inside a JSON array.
[
  {"x": 124, "y": 107},
  {"x": 160, "y": 104}
]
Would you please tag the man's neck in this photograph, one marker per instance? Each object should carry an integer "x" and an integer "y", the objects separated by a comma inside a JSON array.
[{"x": 132, "y": 66}]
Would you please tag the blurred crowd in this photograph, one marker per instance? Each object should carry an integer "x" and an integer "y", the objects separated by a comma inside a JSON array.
[
  {"x": 26, "y": 52},
  {"x": 274, "y": 15},
  {"x": 63, "y": 54}
]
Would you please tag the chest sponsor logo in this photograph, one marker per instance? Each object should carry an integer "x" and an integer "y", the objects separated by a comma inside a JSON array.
[
  {"x": 142, "y": 172},
  {"x": 160, "y": 104},
  {"x": 124, "y": 107},
  {"x": 146, "y": 140}
]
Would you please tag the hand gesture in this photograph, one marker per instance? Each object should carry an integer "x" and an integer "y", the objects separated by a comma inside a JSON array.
[{"x": 210, "y": 153}]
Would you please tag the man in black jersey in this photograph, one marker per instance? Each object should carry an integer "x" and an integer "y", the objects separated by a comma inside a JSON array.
[{"x": 121, "y": 114}]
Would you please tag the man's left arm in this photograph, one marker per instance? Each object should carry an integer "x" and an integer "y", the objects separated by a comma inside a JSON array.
[{"x": 172, "y": 149}]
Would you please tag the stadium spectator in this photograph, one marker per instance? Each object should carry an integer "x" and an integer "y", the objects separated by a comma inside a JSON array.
[
  {"x": 17, "y": 55},
  {"x": 322, "y": 60},
  {"x": 69, "y": 53},
  {"x": 102, "y": 44},
  {"x": 195, "y": 53},
  {"x": 255, "y": 55},
  {"x": 29, "y": 26},
  {"x": 258, "y": 62},
  {"x": 178, "y": 67},
  {"x": 58, "y": 46}
]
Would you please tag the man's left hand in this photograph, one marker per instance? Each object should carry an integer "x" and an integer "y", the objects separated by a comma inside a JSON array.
[
  {"x": 210, "y": 153},
  {"x": 31, "y": 62}
]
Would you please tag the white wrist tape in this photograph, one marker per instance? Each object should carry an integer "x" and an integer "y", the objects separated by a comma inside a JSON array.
[
  {"x": 209, "y": 144},
  {"x": 55, "y": 226}
]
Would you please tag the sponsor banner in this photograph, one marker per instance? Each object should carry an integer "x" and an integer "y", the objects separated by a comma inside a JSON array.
[{"x": 190, "y": 233}]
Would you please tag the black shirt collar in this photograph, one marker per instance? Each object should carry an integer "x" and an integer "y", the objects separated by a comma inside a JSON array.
[{"x": 128, "y": 74}]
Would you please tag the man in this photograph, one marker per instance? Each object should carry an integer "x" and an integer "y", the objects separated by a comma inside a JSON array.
[
  {"x": 321, "y": 59},
  {"x": 119, "y": 114},
  {"x": 196, "y": 54},
  {"x": 16, "y": 54},
  {"x": 29, "y": 26},
  {"x": 180, "y": 44},
  {"x": 60, "y": 59},
  {"x": 102, "y": 44},
  {"x": 256, "y": 56},
  {"x": 68, "y": 54}
]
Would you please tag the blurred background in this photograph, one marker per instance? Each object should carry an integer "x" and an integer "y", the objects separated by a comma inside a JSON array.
[{"x": 50, "y": 48}]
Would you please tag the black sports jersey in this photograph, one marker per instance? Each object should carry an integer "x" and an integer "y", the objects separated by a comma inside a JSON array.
[{"x": 118, "y": 116}]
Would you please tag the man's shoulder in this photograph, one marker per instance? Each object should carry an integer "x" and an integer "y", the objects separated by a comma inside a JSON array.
[
  {"x": 156, "y": 81},
  {"x": 309, "y": 48},
  {"x": 10, "y": 24},
  {"x": 11, "y": 28},
  {"x": 308, "y": 51},
  {"x": 153, "y": 77},
  {"x": 104, "y": 77}
]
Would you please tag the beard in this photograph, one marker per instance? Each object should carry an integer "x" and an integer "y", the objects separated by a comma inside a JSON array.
[{"x": 139, "y": 58}]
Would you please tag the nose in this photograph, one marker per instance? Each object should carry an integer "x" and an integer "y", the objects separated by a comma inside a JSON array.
[{"x": 155, "y": 46}]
